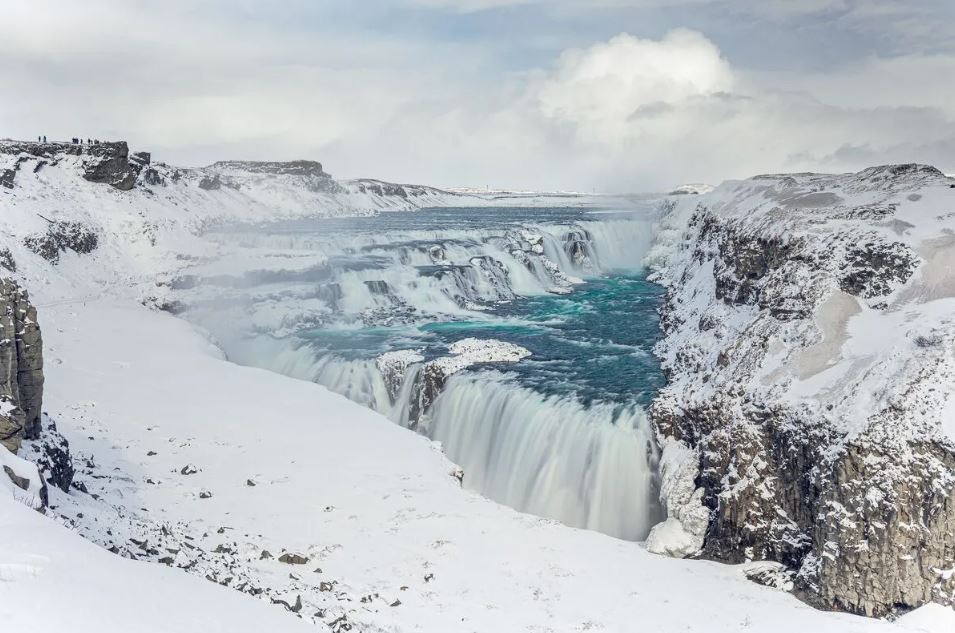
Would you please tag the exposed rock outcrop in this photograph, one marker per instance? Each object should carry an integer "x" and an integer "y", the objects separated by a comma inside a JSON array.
[
  {"x": 21, "y": 367},
  {"x": 809, "y": 350},
  {"x": 111, "y": 163},
  {"x": 51, "y": 453},
  {"x": 406, "y": 372},
  {"x": 106, "y": 162},
  {"x": 305, "y": 173},
  {"x": 62, "y": 236}
]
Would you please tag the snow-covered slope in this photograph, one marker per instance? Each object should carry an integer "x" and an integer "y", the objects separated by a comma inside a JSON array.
[
  {"x": 303, "y": 504},
  {"x": 399, "y": 544},
  {"x": 809, "y": 346},
  {"x": 53, "y": 580}
]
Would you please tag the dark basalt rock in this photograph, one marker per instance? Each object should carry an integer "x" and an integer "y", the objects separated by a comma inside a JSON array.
[
  {"x": 293, "y": 559},
  {"x": 21, "y": 366},
  {"x": 51, "y": 453},
  {"x": 60, "y": 237},
  {"x": 873, "y": 269},
  {"x": 211, "y": 184},
  {"x": 6, "y": 260},
  {"x": 110, "y": 163}
]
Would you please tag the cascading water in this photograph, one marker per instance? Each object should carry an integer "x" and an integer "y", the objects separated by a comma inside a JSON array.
[
  {"x": 560, "y": 434},
  {"x": 549, "y": 455}
]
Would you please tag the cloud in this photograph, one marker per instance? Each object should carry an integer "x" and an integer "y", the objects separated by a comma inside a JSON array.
[
  {"x": 603, "y": 89},
  {"x": 195, "y": 82}
]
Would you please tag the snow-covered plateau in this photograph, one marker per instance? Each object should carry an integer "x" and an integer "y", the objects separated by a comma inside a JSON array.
[{"x": 805, "y": 430}]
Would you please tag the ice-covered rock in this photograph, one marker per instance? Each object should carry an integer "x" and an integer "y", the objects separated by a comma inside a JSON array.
[{"x": 683, "y": 531}]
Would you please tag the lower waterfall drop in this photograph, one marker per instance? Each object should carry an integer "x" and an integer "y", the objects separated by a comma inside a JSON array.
[{"x": 588, "y": 467}]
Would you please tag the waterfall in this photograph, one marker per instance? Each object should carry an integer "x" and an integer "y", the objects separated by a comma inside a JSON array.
[
  {"x": 550, "y": 456},
  {"x": 330, "y": 307},
  {"x": 406, "y": 275}
]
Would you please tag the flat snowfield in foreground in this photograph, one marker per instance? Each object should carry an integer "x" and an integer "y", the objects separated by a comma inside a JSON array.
[{"x": 400, "y": 545}]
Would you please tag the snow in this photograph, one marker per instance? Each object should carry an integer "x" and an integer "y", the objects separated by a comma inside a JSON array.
[
  {"x": 21, "y": 468},
  {"x": 692, "y": 189},
  {"x": 681, "y": 533},
  {"x": 371, "y": 504},
  {"x": 857, "y": 356},
  {"x": 52, "y": 580},
  {"x": 291, "y": 467},
  {"x": 472, "y": 351}
]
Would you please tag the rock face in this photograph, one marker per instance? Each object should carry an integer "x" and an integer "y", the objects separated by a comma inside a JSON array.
[
  {"x": 305, "y": 173},
  {"x": 111, "y": 163},
  {"x": 108, "y": 162},
  {"x": 413, "y": 384},
  {"x": 51, "y": 454},
  {"x": 293, "y": 168},
  {"x": 21, "y": 367},
  {"x": 810, "y": 407}
]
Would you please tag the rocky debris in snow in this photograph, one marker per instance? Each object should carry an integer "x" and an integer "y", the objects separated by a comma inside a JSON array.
[
  {"x": 51, "y": 453},
  {"x": 293, "y": 559},
  {"x": 188, "y": 469},
  {"x": 205, "y": 494},
  {"x": 771, "y": 574},
  {"x": 6, "y": 260},
  {"x": 20, "y": 482},
  {"x": 874, "y": 269},
  {"x": 293, "y": 608},
  {"x": 240, "y": 563},
  {"x": 61, "y": 236},
  {"x": 804, "y": 418}
]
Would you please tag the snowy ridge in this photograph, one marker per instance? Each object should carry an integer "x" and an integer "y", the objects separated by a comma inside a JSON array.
[{"x": 811, "y": 315}]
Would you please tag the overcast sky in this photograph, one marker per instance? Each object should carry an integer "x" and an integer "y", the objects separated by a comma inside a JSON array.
[{"x": 612, "y": 95}]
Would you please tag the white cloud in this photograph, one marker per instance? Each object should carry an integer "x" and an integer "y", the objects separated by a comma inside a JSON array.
[
  {"x": 605, "y": 88},
  {"x": 628, "y": 113}
]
